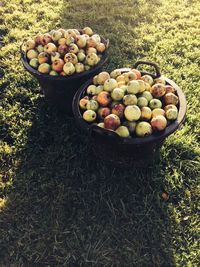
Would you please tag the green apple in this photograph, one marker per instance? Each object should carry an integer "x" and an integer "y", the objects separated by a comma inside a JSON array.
[
  {"x": 92, "y": 59},
  {"x": 32, "y": 54},
  {"x": 110, "y": 84},
  {"x": 122, "y": 131},
  {"x": 69, "y": 68},
  {"x": 115, "y": 73},
  {"x": 130, "y": 100},
  {"x": 30, "y": 44},
  {"x": 147, "y": 95},
  {"x": 81, "y": 56},
  {"x": 89, "y": 115},
  {"x": 171, "y": 114},
  {"x": 131, "y": 126},
  {"x": 129, "y": 76},
  {"x": 102, "y": 77},
  {"x": 88, "y": 31},
  {"x": 117, "y": 94},
  {"x": 158, "y": 111},
  {"x": 142, "y": 102},
  {"x": 92, "y": 105},
  {"x": 99, "y": 89},
  {"x": 147, "y": 79},
  {"x": 79, "y": 67},
  {"x": 160, "y": 80},
  {"x": 133, "y": 87},
  {"x": 40, "y": 48},
  {"x": 91, "y": 90},
  {"x": 142, "y": 86},
  {"x": 155, "y": 103},
  {"x": 53, "y": 73},
  {"x": 132, "y": 113},
  {"x": 143, "y": 128},
  {"x": 44, "y": 68},
  {"x": 55, "y": 56},
  {"x": 34, "y": 63},
  {"x": 146, "y": 113}
]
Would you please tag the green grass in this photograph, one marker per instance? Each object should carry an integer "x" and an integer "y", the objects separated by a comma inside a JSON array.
[{"x": 58, "y": 206}]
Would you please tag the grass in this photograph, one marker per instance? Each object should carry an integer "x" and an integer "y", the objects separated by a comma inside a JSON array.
[{"x": 58, "y": 206}]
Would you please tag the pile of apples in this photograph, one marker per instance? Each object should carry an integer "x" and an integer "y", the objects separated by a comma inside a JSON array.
[
  {"x": 64, "y": 52},
  {"x": 129, "y": 104}
]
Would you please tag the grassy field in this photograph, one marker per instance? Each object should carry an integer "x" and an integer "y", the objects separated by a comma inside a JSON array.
[{"x": 58, "y": 206}]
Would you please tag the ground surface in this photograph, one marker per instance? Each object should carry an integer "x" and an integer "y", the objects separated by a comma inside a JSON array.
[{"x": 58, "y": 206}]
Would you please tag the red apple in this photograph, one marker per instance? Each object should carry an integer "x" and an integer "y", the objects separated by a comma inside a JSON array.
[
  {"x": 103, "y": 112},
  {"x": 159, "y": 123},
  {"x": 169, "y": 89},
  {"x": 58, "y": 65},
  {"x": 62, "y": 49},
  {"x": 104, "y": 98},
  {"x": 118, "y": 110},
  {"x": 112, "y": 122},
  {"x": 158, "y": 90}
]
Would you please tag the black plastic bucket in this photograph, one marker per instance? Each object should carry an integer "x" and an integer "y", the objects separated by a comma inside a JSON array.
[
  {"x": 60, "y": 90},
  {"x": 134, "y": 151}
]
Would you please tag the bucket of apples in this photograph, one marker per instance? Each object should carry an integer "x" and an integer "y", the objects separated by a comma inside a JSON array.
[
  {"x": 129, "y": 113},
  {"x": 62, "y": 60}
]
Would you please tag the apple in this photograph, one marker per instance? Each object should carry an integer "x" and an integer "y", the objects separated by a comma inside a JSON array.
[
  {"x": 92, "y": 105},
  {"x": 143, "y": 128},
  {"x": 86, "y": 36},
  {"x": 146, "y": 113},
  {"x": 141, "y": 86},
  {"x": 91, "y": 42},
  {"x": 104, "y": 98},
  {"x": 69, "y": 40},
  {"x": 81, "y": 41},
  {"x": 147, "y": 87},
  {"x": 79, "y": 67},
  {"x": 40, "y": 48},
  {"x": 50, "y": 47},
  {"x": 142, "y": 102},
  {"x": 94, "y": 80},
  {"x": 124, "y": 88},
  {"x": 121, "y": 78},
  {"x": 169, "y": 107},
  {"x": 147, "y": 95},
  {"x": 30, "y": 44},
  {"x": 81, "y": 56},
  {"x": 101, "y": 125},
  {"x": 99, "y": 89},
  {"x": 130, "y": 100},
  {"x": 62, "y": 73},
  {"x": 110, "y": 84},
  {"x": 91, "y": 89},
  {"x": 76, "y": 31},
  {"x": 138, "y": 73},
  {"x": 147, "y": 79},
  {"x": 44, "y": 68},
  {"x": 62, "y": 41},
  {"x": 158, "y": 111},
  {"x": 155, "y": 103},
  {"x": 56, "y": 35},
  {"x": 62, "y": 49},
  {"x": 118, "y": 110},
  {"x": 73, "y": 48},
  {"x": 122, "y": 131},
  {"x": 117, "y": 94},
  {"x": 70, "y": 57},
  {"x": 103, "y": 112},
  {"x": 32, "y": 54},
  {"x": 101, "y": 47},
  {"x": 88, "y": 31},
  {"x": 83, "y": 102},
  {"x": 46, "y": 38},
  {"x": 70, "y": 33},
  {"x": 97, "y": 38},
  {"x": 102, "y": 77},
  {"x": 130, "y": 125},
  {"x": 170, "y": 98},
  {"x": 115, "y": 73},
  {"x": 91, "y": 50},
  {"x": 121, "y": 84},
  {"x": 171, "y": 114},
  {"x": 129, "y": 76},
  {"x": 54, "y": 56},
  {"x": 158, "y": 90},
  {"x": 133, "y": 87},
  {"x": 169, "y": 89},
  {"x": 89, "y": 115},
  {"x": 69, "y": 68},
  {"x": 57, "y": 65},
  {"x": 43, "y": 57},
  {"x": 132, "y": 113},
  {"x": 94, "y": 97},
  {"x": 38, "y": 39},
  {"x": 92, "y": 59},
  {"x": 158, "y": 123},
  {"x": 160, "y": 80},
  {"x": 112, "y": 122},
  {"x": 53, "y": 73},
  {"x": 34, "y": 63}
]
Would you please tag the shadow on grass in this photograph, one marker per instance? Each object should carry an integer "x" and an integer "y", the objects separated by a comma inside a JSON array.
[{"x": 66, "y": 209}]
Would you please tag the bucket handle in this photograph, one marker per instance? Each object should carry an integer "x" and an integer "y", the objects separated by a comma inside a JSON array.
[{"x": 149, "y": 63}]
